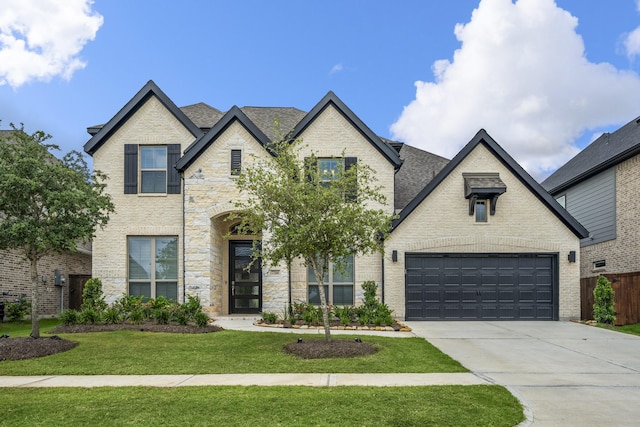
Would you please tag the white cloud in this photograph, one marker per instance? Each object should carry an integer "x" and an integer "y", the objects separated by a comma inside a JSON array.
[
  {"x": 521, "y": 73},
  {"x": 40, "y": 39},
  {"x": 336, "y": 68}
]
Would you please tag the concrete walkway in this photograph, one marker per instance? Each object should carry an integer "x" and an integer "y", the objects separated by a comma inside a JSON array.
[{"x": 566, "y": 373}]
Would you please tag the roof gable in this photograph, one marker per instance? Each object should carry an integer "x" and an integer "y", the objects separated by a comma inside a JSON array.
[
  {"x": 606, "y": 151},
  {"x": 148, "y": 90},
  {"x": 482, "y": 137},
  {"x": 203, "y": 142},
  {"x": 332, "y": 99}
]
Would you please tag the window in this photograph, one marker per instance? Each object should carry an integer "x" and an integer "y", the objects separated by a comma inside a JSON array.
[
  {"x": 330, "y": 169},
  {"x": 600, "y": 264},
  {"x": 153, "y": 169},
  {"x": 236, "y": 162},
  {"x": 481, "y": 210},
  {"x": 562, "y": 200},
  {"x": 338, "y": 284},
  {"x": 153, "y": 267}
]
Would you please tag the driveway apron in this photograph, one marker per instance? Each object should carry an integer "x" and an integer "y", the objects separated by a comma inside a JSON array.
[{"x": 566, "y": 373}]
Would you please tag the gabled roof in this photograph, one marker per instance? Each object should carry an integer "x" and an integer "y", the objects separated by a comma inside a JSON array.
[
  {"x": 418, "y": 168},
  {"x": 202, "y": 115},
  {"x": 331, "y": 99},
  {"x": 606, "y": 151},
  {"x": 203, "y": 142},
  {"x": 265, "y": 119},
  {"x": 482, "y": 137},
  {"x": 150, "y": 89}
]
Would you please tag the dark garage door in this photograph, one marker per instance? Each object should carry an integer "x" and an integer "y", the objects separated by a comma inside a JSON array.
[{"x": 481, "y": 287}]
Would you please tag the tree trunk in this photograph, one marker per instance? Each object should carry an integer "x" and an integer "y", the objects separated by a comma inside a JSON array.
[
  {"x": 323, "y": 302},
  {"x": 35, "y": 283}
]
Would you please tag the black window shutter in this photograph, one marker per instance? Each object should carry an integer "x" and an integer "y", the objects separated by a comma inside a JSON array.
[
  {"x": 173, "y": 176},
  {"x": 130, "y": 168},
  {"x": 236, "y": 162},
  {"x": 348, "y": 163}
]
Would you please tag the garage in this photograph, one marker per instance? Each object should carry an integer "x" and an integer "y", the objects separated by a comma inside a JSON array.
[{"x": 455, "y": 286}]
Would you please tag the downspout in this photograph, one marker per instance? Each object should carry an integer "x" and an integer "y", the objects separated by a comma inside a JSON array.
[
  {"x": 382, "y": 281},
  {"x": 184, "y": 275}
]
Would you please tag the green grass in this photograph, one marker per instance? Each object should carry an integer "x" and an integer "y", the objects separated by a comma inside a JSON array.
[
  {"x": 263, "y": 406},
  {"x": 145, "y": 353},
  {"x": 633, "y": 329}
]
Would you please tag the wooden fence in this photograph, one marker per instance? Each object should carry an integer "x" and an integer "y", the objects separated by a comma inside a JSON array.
[{"x": 626, "y": 301}]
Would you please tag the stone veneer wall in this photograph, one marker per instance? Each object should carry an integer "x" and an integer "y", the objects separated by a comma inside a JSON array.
[
  {"x": 136, "y": 214},
  {"x": 622, "y": 254},
  {"x": 15, "y": 278},
  {"x": 521, "y": 224},
  {"x": 210, "y": 192}
]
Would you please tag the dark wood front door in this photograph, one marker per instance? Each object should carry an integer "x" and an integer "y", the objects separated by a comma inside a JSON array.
[
  {"x": 76, "y": 286},
  {"x": 245, "y": 283}
]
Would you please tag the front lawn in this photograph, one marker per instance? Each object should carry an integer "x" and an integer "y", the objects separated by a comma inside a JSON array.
[
  {"x": 633, "y": 329},
  {"x": 146, "y": 353},
  {"x": 262, "y": 406}
]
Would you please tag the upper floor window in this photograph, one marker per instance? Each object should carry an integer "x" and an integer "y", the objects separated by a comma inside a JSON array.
[
  {"x": 150, "y": 169},
  {"x": 562, "y": 200},
  {"x": 330, "y": 169},
  {"x": 153, "y": 169},
  {"x": 236, "y": 162},
  {"x": 481, "y": 210}
]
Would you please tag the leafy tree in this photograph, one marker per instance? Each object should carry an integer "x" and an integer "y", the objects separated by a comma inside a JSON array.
[
  {"x": 318, "y": 216},
  {"x": 603, "y": 307},
  {"x": 46, "y": 205}
]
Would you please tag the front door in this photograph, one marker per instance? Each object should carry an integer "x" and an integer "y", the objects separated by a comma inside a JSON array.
[{"x": 245, "y": 283}]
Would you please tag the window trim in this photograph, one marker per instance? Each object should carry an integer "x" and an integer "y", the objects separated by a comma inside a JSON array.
[
  {"x": 142, "y": 170},
  {"x": 152, "y": 280}
]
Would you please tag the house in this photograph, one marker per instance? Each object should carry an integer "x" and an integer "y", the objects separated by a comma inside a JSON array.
[
  {"x": 476, "y": 237},
  {"x": 55, "y": 295},
  {"x": 599, "y": 187}
]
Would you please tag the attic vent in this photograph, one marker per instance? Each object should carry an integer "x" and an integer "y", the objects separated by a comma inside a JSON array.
[{"x": 483, "y": 186}]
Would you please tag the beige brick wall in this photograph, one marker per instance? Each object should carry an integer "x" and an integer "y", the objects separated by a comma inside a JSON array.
[
  {"x": 136, "y": 214},
  {"x": 622, "y": 254},
  {"x": 521, "y": 224}
]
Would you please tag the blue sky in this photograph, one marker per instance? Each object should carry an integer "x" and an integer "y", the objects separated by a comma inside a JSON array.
[{"x": 543, "y": 78}]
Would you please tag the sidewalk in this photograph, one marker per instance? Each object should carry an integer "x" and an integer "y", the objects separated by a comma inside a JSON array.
[
  {"x": 312, "y": 380},
  {"x": 246, "y": 324}
]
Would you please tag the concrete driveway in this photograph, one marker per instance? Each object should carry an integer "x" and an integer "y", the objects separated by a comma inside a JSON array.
[{"x": 566, "y": 373}]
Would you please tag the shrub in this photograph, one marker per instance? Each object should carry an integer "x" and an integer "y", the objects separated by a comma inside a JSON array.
[
  {"x": 201, "y": 319},
  {"x": 162, "y": 315},
  {"x": 113, "y": 316},
  {"x": 373, "y": 311},
  {"x": 192, "y": 306},
  {"x": 346, "y": 314},
  {"x": 89, "y": 315},
  {"x": 17, "y": 310},
  {"x": 92, "y": 296},
  {"x": 180, "y": 317},
  {"x": 603, "y": 307},
  {"x": 136, "y": 315},
  {"x": 269, "y": 317},
  {"x": 69, "y": 317}
]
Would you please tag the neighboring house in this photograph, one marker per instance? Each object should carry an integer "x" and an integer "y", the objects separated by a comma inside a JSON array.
[
  {"x": 15, "y": 274},
  {"x": 476, "y": 237},
  {"x": 600, "y": 188}
]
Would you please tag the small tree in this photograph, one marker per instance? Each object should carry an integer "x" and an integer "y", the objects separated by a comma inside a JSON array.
[
  {"x": 603, "y": 307},
  {"x": 46, "y": 205},
  {"x": 319, "y": 216}
]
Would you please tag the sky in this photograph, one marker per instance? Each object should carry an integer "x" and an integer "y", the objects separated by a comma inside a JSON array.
[{"x": 544, "y": 78}]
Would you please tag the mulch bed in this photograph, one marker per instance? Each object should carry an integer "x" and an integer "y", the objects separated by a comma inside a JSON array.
[{"x": 319, "y": 349}]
